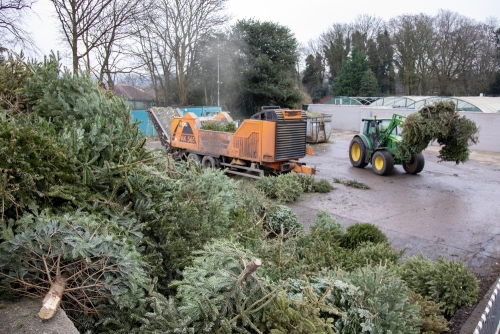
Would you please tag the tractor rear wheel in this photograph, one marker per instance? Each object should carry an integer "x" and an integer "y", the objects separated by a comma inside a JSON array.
[
  {"x": 357, "y": 153},
  {"x": 416, "y": 165},
  {"x": 382, "y": 162},
  {"x": 209, "y": 162}
]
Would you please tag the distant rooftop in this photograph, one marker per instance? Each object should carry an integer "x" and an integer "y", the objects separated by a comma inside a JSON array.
[{"x": 132, "y": 93}]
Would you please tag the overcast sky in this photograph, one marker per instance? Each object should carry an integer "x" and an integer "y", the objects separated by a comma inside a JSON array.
[{"x": 307, "y": 19}]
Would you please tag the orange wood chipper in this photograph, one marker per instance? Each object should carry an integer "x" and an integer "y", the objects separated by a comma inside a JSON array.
[{"x": 272, "y": 141}]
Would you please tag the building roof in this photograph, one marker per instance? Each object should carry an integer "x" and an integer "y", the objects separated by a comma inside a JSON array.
[
  {"x": 485, "y": 103},
  {"x": 462, "y": 103},
  {"x": 132, "y": 93}
]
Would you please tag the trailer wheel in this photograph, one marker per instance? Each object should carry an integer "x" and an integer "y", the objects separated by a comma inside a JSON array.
[
  {"x": 416, "y": 165},
  {"x": 382, "y": 162},
  {"x": 194, "y": 157},
  {"x": 209, "y": 162},
  {"x": 357, "y": 153}
]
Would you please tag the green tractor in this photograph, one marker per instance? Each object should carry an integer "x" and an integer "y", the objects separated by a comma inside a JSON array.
[{"x": 377, "y": 145}]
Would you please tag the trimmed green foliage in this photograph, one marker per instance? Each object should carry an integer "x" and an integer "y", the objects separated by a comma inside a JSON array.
[
  {"x": 321, "y": 248},
  {"x": 319, "y": 254},
  {"x": 326, "y": 224},
  {"x": 439, "y": 121},
  {"x": 303, "y": 254},
  {"x": 202, "y": 205},
  {"x": 288, "y": 187},
  {"x": 288, "y": 316},
  {"x": 337, "y": 293},
  {"x": 280, "y": 254},
  {"x": 97, "y": 256},
  {"x": 362, "y": 232},
  {"x": 351, "y": 183},
  {"x": 281, "y": 219},
  {"x": 368, "y": 253},
  {"x": 33, "y": 167},
  {"x": 385, "y": 295},
  {"x": 445, "y": 281},
  {"x": 164, "y": 317},
  {"x": 322, "y": 186},
  {"x": 13, "y": 75},
  {"x": 217, "y": 126},
  {"x": 267, "y": 184},
  {"x": 216, "y": 295},
  {"x": 74, "y": 142},
  {"x": 433, "y": 321},
  {"x": 307, "y": 182}
]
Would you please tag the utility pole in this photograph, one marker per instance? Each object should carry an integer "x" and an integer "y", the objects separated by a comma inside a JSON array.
[{"x": 218, "y": 94}]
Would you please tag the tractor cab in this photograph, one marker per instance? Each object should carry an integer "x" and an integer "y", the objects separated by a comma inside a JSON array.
[{"x": 382, "y": 132}]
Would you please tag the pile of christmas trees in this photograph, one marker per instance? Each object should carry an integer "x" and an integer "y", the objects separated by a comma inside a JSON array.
[{"x": 128, "y": 240}]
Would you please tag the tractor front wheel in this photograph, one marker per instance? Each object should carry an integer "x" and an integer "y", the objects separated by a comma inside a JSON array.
[
  {"x": 416, "y": 165},
  {"x": 357, "y": 153},
  {"x": 382, "y": 162}
]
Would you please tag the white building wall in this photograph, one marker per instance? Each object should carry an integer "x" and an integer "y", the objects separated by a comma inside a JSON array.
[{"x": 348, "y": 118}]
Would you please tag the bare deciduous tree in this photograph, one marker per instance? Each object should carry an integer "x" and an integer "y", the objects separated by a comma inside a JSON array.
[
  {"x": 12, "y": 30},
  {"x": 368, "y": 25},
  {"x": 114, "y": 30},
  {"x": 414, "y": 45},
  {"x": 188, "y": 23},
  {"x": 151, "y": 52},
  {"x": 77, "y": 18},
  {"x": 482, "y": 71},
  {"x": 456, "y": 49}
]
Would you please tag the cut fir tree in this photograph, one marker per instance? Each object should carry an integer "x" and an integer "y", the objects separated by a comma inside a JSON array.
[{"x": 441, "y": 123}]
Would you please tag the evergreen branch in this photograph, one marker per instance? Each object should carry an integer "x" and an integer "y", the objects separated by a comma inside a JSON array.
[
  {"x": 135, "y": 163},
  {"x": 268, "y": 297},
  {"x": 86, "y": 309},
  {"x": 23, "y": 283},
  {"x": 33, "y": 266},
  {"x": 47, "y": 269},
  {"x": 28, "y": 294},
  {"x": 86, "y": 287},
  {"x": 329, "y": 289}
]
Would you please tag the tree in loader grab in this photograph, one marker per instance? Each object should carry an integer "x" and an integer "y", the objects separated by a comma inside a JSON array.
[{"x": 378, "y": 143}]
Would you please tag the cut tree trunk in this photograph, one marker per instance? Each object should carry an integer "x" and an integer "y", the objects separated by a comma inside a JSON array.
[
  {"x": 250, "y": 268},
  {"x": 52, "y": 299}
]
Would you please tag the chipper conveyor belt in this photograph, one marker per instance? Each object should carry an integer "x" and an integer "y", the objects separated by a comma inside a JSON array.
[{"x": 161, "y": 119}]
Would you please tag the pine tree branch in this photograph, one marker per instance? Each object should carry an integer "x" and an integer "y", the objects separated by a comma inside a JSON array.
[
  {"x": 268, "y": 297},
  {"x": 47, "y": 272},
  {"x": 135, "y": 163},
  {"x": 20, "y": 282}
]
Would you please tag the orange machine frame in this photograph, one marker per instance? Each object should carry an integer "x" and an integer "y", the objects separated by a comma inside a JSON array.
[{"x": 253, "y": 141}]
